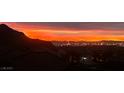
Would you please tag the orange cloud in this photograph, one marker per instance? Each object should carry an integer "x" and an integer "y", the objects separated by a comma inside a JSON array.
[{"x": 65, "y": 34}]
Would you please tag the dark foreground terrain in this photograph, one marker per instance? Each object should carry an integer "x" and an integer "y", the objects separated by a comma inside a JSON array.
[{"x": 20, "y": 53}]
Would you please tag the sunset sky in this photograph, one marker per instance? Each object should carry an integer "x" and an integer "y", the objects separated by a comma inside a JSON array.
[{"x": 71, "y": 31}]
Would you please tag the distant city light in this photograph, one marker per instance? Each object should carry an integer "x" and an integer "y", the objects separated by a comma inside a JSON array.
[
  {"x": 83, "y": 43},
  {"x": 84, "y": 58}
]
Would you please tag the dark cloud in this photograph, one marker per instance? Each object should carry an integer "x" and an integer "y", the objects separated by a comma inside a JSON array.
[{"x": 78, "y": 25}]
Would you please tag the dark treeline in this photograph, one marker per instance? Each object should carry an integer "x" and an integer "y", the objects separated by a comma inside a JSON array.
[{"x": 95, "y": 57}]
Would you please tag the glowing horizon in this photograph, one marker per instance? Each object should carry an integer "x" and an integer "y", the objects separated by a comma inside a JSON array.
[{"x": 70, "y": 31}]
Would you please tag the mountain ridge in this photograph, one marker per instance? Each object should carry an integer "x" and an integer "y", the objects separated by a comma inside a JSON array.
[{"x": 21, "y": 52}]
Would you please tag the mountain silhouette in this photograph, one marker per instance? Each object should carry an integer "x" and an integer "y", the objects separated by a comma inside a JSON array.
[
  {"x": 7, "y": 33},
  {"x": 23, "y": 53}
]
